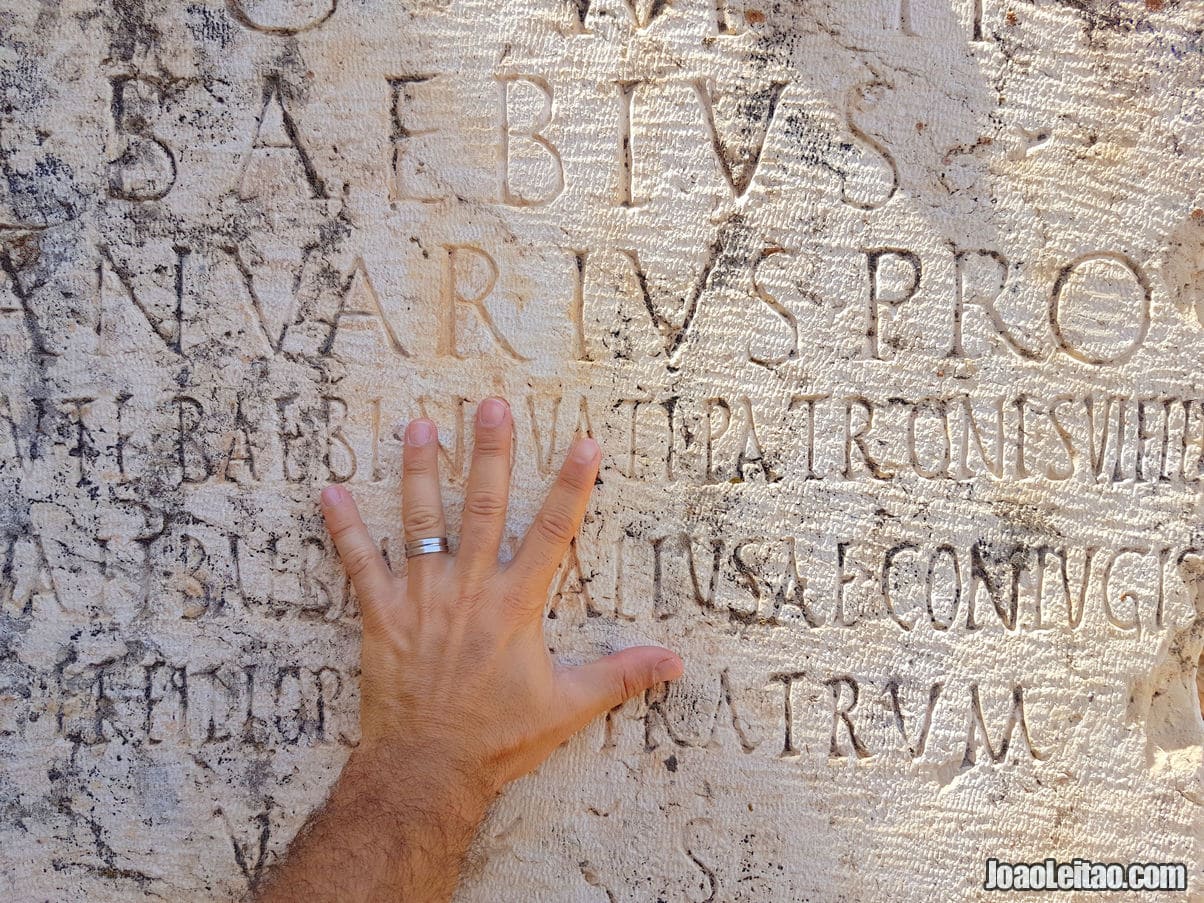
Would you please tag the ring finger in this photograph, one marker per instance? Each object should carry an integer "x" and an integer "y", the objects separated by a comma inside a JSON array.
[{"x": 421, "y": 498}]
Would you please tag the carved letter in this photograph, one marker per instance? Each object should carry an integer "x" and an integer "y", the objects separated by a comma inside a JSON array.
[
  {"x": 1127, "y": 596},
  {"x": 277, "y": 139},
  {"x": 840, "y": 714},
  {"x": 145, "y": 170},
  {"x": 400, "y": 188},
  {"x": 114, "y": 277},
  {"x": 934, "y": 692},
  {"x": 272, "y": 319},
  {"x": 888, "y": 564},
  {"x": 359, "y": 285},
  {"x": 861, "y": 440},
  {"x": 875, "y": 324},
  {"x": 856, "y": 97},
  {"x": 531, "y": 131},
  {"x": 673, "y": 334},
  {"x": 453, "y": 297},
  {"x": 1098, "y": 278},
  {"x": 788, "y": 680},
  {"x": 780, "y": 310},
  {"x": 303, "y": 15},
  {"x": 978, "y": 722},
  {"x": 626, "y": 149},
  {"x": 191, "y": 456},
  {"x": 739, "y": 164},
  {"x": 960, "y": 258},
  {"x": 642, "y": 12}
]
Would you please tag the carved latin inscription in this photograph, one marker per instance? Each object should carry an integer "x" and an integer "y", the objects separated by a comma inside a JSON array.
[{"x": 884, "y": 316}]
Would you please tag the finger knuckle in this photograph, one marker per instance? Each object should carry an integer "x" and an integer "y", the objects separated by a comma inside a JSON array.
[
  {"x": 557, "y": 526},
  {"x": 518, "y": 600},
  {"x": 473, "y": 597},
  {"x": 577, "y": 478},
  {"x": 420, "y": 462},
  {"x": 341, "y": 531},
  {"x": 471, "y": 592},
  {"x": 485, "y": 504},
  {"x": 491, "y": 443},
  {"x": 626, "y": 686},
  {"x": 424, "y": 519},
  {"x": 358, "y": 559}
]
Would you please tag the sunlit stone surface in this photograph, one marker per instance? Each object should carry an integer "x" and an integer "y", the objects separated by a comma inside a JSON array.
[{"x": 888, "y": 316}]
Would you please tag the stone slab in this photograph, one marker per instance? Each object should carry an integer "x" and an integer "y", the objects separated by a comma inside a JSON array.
[{"x": 887, "y": 314}]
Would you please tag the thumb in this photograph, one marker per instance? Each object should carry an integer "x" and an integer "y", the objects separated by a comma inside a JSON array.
[{"x": 609, "y": 682}]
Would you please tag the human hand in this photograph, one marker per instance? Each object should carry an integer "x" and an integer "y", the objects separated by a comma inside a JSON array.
[
  {"x": 454, "y": 662},
  {"x": 458, "y": 693}
]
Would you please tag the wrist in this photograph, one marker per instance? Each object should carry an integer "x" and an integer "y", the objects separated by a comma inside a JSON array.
[{"x": 403, "y": 778}]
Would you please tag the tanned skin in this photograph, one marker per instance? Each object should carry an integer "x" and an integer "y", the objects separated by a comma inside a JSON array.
[{"x": 459, "y": 695}]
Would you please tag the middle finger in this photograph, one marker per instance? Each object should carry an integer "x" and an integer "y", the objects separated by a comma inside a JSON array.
[
  {"x": 421, "y": 498},
  {"x": 488, "y": 491}
]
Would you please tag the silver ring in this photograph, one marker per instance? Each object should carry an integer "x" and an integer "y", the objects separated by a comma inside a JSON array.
[{"x": 427, "y": 546}]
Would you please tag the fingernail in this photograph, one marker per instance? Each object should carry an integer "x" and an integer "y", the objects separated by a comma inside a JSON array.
[
  {"x": 585, "y": 450},
  {"x": 333, "y": 495},
  {"x": 668, "y": 669},
  {"x": 492, "y": 412},
  {"x": 419, "y": 432}
]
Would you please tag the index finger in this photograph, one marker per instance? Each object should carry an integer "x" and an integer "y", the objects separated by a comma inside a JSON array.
[
  {"x": 559, "y": 518},
  {"x": 365, "y": 565}
]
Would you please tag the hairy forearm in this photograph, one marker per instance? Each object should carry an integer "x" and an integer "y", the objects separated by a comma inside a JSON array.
[
  {"x": 458, "y": 694},
  {"x": 396, "y": 826}
]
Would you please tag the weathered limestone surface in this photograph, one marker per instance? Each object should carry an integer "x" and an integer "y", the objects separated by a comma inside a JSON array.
[{"x": 888, "y": 315}]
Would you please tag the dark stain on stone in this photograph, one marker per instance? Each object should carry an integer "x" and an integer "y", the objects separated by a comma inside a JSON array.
[{"x": 133, "y": 30}]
